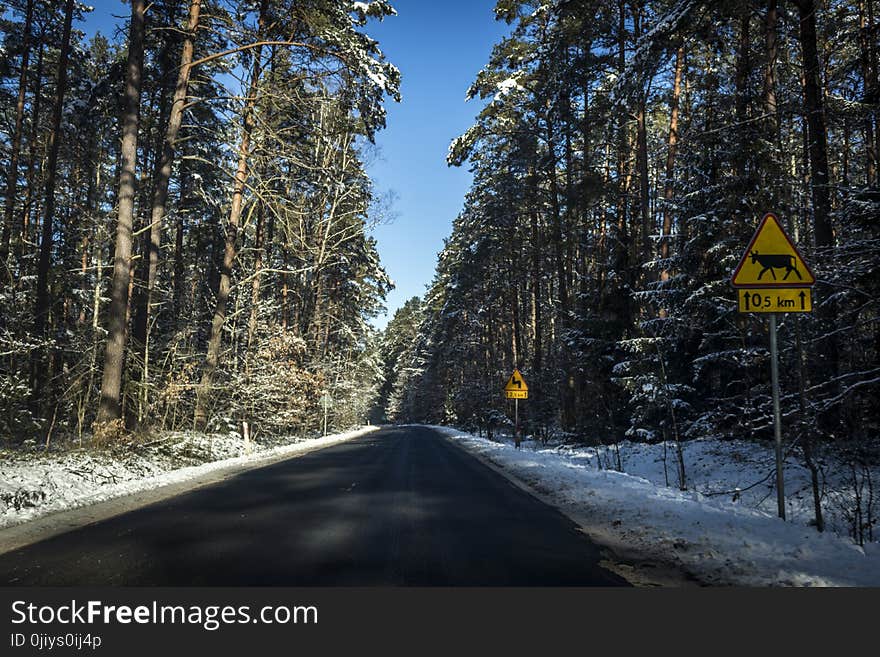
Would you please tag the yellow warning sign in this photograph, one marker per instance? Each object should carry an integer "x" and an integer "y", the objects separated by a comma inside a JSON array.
[
  {"x": 516, "y": 387},
  {"x": 771, "y": 260},
  {"x": 775, "y": 300}
]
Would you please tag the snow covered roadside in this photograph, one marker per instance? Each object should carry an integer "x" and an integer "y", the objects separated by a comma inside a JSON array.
[
  {"x": 33, "y": 486},
  {"x": 716, "y": 539}
]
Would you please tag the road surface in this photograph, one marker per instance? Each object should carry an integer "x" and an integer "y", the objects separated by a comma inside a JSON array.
[{"x": 398, "y": 507}]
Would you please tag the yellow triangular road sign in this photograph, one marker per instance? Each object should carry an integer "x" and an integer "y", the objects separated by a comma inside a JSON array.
[
  {"x": 771, "y": 260},
  {"x": 516, "y": 383}
]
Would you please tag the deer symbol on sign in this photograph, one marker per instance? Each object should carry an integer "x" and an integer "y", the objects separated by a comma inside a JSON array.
[{"x": 769, "y": 262}]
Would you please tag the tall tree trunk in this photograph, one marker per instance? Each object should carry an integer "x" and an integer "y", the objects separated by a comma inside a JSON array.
[
  {"x": 818, "y": 136},
  {"x": 166, "y": 160},
  {"x": 515, "y": 259},
  {"x": 212, "y": 357},
  {"x": 93, "y": 176},
  {"x": 773, "y": 168},
  {"x": 557, "y": 229},
  {"x": 33, "y": 148},
  {"x": 255, "y": 283},
  {"x": 642, "y": 251},
  {"x": 111, "y": 384},
  {"x": 644, "y": 248},
  {"x": 537, "y": 315},
  {"x": 770, "y": 45},
  {"x": 161, "y": 179},
  {"x": 589, "y": 255},
  {"x": 179, "y": 273},
  {"x": 537, "y": 251},
  {"x": 12, "y": 176},
  {"x": 41, "y": 310},
  {"x": 620, "y": 239},
  {"x": 668, "y": 178},
  {"x": 571, "y": 225},
  {"x": 741, "y": 104},
  {"x": 869, "y": 77},
  {"x": 563, "y": 317},
  {"x": 874, "y": 55},
  {"x": 828, "y": 356},
  {"x": 139, "y": 301},
  {"x": 285, "y": 302}
]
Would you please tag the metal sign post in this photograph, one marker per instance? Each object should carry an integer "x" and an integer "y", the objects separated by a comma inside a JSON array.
[
  {"x": 516, "y": 389},
  {"x": 516, "y": 420},
  {"x": 790, "y": 291},
  {"x": 325, "y": 402},
  {"x": 777, "y": 416}
]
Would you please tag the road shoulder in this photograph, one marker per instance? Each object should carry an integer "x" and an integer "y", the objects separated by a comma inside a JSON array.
[
  {"x": 52, "y": 524},
  {"x": 635, "y": 566}
]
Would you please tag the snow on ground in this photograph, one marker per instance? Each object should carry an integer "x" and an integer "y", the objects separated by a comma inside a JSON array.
[
  {"x": 731, "y": 538},
  {"x": 35, "y": 483}
]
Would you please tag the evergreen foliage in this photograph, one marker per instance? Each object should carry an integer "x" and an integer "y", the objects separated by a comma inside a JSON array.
[
  {"x": 305, "y": 277},
  {"x": 625, "y": 156}
]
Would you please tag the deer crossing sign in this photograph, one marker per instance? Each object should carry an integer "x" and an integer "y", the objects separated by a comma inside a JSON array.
[
  {"x": 772, "y": 277},
  {"x": 771, "y": 260}
]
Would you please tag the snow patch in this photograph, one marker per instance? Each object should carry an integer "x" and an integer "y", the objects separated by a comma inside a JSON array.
[
  {"x": 725, "y": 539},
  {"x": 33, "y": 485}
]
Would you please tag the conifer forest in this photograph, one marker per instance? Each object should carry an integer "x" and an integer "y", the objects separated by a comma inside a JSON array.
[
  {"x": 185, "y": 239},
  {"x": 187, "y": 226},
  {"x": 623, "y": 160}
]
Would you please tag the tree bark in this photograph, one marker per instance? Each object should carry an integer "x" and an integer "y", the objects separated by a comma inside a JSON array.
[
  {"x": 867, "y": 46},
  {"x": 563, "y": 316},
  {"x": 212, "y": 357},
  {"x": 770, "y": 45},
  {"x": 537, "y": 250},
  {"x": 620, "y": 238},
  {"x": 179, "y": 272},
  {"x": 111, "y": 384},
  {"x": 41, "y": 311},
  {"x": 741, "y": 104},
  {"x": 161, "y": 179},
  {"x": 818, "y": 136},
  {"x": 92, "y": 174},
  {"x": 12, "y": 176},
  {"x": 588, "y": 256},
  {"x": 557, "y": 230},
  {"x": 166, "y": 161},
  {"x": 875, "y": 76},
  {"x": 255, "y": 284},
  {"x": 285, "y": 303},
  {"x": 828, "y": 361},
  {"x": 773, "y": 167},
  {"x": 671, "y": 146},
  {"x": 33, "y": 147},
  {"x": 642, "y": 251},
  {"x": 515, "y": 259}
]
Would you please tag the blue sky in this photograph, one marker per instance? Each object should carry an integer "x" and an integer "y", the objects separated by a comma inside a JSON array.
[{"x": 439, "y": 46}]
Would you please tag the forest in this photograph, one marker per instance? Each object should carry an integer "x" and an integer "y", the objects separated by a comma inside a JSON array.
[
  {"x": 186, "y": 212},
  {"x": 186, "y": 235},
  {"x": 625, "y": 155}
]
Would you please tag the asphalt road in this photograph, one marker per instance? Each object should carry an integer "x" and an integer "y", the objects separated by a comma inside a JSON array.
[{"x": 401, "y": 506}]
